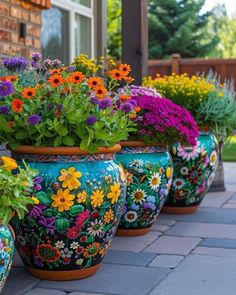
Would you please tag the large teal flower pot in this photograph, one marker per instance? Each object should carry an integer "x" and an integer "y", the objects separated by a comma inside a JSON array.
[
  {"x": 149, "y": 175},
  {"x": 194, "y": 171},
  {"x": 6, "y": 253},
  {"x": 81, "y": 197}
]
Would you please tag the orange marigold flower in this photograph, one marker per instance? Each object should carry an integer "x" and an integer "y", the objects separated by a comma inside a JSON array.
[
  {"x": 133, "y": 116},
  {"x": 100, "y": 91},
  {"x": 55, "y": 71},
  {"x": 125, "y": 69},
  {"x": 77, "y": 77},
  {"x": 55, "y": 80},
  {"x": 116, "y": 74},
  {"x": 17, "y": 105},
  {"x": 28, "y": 92},
  {"x": 125, "y": 97},
  {"x": 128, "y": 79},
  {"x": 94, "y": 82},
  {"x": 12, "y": 78},
  {"x": 137, "y": 109}
]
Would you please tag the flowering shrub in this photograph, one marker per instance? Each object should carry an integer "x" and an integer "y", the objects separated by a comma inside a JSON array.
[
  {"x": 62, "y": 106},
  {"x": 15, "y": 189},
  {"x": 160, "y": 120}
]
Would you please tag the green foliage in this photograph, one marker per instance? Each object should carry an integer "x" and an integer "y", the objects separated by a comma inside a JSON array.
[
  {"x": 229, "y": 150},
  {"x": 15, "y": 191}
]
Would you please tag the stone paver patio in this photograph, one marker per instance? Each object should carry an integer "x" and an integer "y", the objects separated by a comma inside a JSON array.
[{"x": 182, "y": 255}]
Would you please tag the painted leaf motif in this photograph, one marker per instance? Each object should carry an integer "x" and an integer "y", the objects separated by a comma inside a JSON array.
[
  {"x": 62, "y": 224},
  {"x": 75, "y": 210},
  {"x": 44, "y": 198}
]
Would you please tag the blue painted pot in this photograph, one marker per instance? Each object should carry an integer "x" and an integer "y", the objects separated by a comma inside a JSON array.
[
  {"x": 149, "y": 175},
  {"x": 81, "y": 197},
  {"x": 6, "y": 253},
  {"x": 194, "y": 171}
]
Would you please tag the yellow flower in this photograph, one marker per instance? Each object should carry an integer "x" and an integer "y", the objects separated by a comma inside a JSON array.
[
  {"x": 36, "y": 200},
  {"x": 63, "y": 200},
  {"x": 109, "y": 216},
  {"x": 25, "y": 183},
  {"x": 168, "y": 172},
  {"x": 97, "y": 198},
  {"x": 81, "y": 197},
  {"x": 69, "y": 178},
  {"x": 115, "y": 193},
  {"x": 9, "y": 163}
]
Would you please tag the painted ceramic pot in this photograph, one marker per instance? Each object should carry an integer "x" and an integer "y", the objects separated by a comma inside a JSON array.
[
  {"x": 81, "y": 197},
  {"x": 194, "y": 171},
  {"x": 6, "y": 253},
  {"x": 149, "y": 174}
]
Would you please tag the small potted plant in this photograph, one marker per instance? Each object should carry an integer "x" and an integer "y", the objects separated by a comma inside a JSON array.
[
  {"x": 66, "y": 123},
  {"x": 146, "y": 159},
  {"x": 194, "y": 167},
  {"x": 15, "y": 186}
]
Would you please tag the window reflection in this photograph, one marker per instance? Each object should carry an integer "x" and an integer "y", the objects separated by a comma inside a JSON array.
[
  {"x": 55, "y": 35},
  {"x": 84, "y": 2},
  {"x": 82, "y": 35}
]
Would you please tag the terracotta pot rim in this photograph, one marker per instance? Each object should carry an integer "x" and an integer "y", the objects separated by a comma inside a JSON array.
[
  {"x": 25, "y": 149},
  {"x": 139, "y": 143}
]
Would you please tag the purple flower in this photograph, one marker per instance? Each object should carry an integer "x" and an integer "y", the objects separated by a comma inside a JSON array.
[
  {"x": 15, "y": 63},
  {"x": 70, "y": 69},
  {"x": 105, "y": 103},
  {"x": 48, "y": 223},
  {"x": 6, "y": 88},
  {"x": 126, "y": 107},
  {"x": 34, "y": 120},
  {"x": 36, "y": 211},
  {"x": 149, "y": 206},
  {"x": 34, "y": 64},
  {"x": 50, "y": 106},
  {"x": 4, "y": 110},
  {"x": 91, "y": 120},
  {"x": 94, "y": 100},
  {"x": 36, "y": 56},
  {"x": 37, "y": 181},
  {"x": 60, "y": 107}
]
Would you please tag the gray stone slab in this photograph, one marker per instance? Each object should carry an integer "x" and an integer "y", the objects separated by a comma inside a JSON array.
[
  {"x": 173, "y": 245},
  {"x": 82, "y": 293},
  {"x": 208, "y": 215},
  {"x": 114, "y": 279},
  {"x": 219, "y": 252},
  {"x": 134, "y": 244},
  {"x": 160, "y": 227},
  {"x": 17, "y": 261},
  {"x": 203, "y": 230},
  {"x": 19, "y": 282},
  {"x": 128, "y": 258},
  {"x": 198, "y": 275},
  {"x": 170, "y": 261},
  {"x": 216, "y": 200},
  {"x": 219, "y": 243},
  {"x": 40, "y": 291},
  {"x": 164, "y": 221}
]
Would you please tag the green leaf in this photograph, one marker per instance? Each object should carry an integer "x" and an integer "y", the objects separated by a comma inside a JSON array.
[
  {"x": 44, "y": 198},
  {"x": 68, "y": 141},
  {"x": 107, "y": 227},
  {"x": 62, "y": 131},
  {"x": 62, "y": 225},
  {"x": 75, "y": 210},
  {"x": 21, "y": 134},
  {"x": 48, "y": 212},
  {"x": 90, "y": 240},
  {"x": 57, "y": 141}
]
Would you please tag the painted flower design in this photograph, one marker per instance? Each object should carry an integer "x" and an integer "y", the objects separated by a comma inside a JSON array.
[
  {"x": 69, "y": 178},
  {"x": 178, "y": 183},
  {"x": 114, "y": 193},
  {"x": 81, "y": 197},
  {"x": 139, "y": 196},
  {"x": 96, "y": 228},
  {"x": 129, "y": 177},
  {"x": 63, "y": 200},
  {"x": 48, "y": 253},
  {"x": 97, "y": 198},
  {"x": 91, "y": 250},
  {"x": 184, "y": 170},
  {"x": 213, "y": 158},
  {"x": 137, "y": 163},
  {"x": 131, "y": 216},
  {"x": 187, "y": 153},
  {"x": 108, "y": 216},
  {"x": 60, "y": 244},
  {"x": 155, "y": 181},
  {"x": 194, "y": 174}
]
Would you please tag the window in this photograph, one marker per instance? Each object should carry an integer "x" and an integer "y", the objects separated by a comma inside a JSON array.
[{"x": 68, "y": 29}]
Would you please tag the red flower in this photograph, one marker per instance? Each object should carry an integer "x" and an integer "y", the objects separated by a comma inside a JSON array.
[
  {"x": 73, "y": 232},
  {"x": 80, "y": 250},
  {"x": 95, "y": 214},
  {"x": 83, "y": 239},
  {"x": 48, "y": 253}
]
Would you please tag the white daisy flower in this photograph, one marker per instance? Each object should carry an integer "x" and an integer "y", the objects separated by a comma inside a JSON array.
[
  {"x": 139, "y": 195},
  {"x": 178, "y": 183},
  {"x": 96, "y": 228},
  {"x": 155, "y": 181},
  {"x": 131, "y": 216},
  {"x": 60, "y": 244}
]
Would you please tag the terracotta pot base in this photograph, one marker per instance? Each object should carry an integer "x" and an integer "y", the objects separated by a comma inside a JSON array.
[
  {"x": 132, "y": 232},
  {"x": 179, "y": 210},
  {"x": 64, "y": 275}
]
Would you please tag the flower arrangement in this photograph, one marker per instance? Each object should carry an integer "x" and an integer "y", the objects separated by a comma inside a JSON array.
[
  {"x": 159, "y": 119},
  {"x": 15, "y": 187},
  {"x": 63, "y": 106}
]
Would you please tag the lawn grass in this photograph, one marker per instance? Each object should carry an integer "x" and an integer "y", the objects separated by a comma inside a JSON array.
[{"x": 229, "y": 150}]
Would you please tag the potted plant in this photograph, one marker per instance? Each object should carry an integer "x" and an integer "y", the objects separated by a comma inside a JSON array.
[
  {"x": 15, "y": 186},
  {"x": 67, "y": 125},
  {"x": 146, "y": 159},
  {"x": 194, "y": 167}
]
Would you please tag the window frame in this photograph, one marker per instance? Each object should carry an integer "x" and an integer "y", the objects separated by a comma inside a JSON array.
[{"x": 76, "y": 8}]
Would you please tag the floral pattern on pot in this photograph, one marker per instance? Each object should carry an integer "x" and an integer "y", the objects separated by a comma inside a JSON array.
[
  {"x": 194, "y": 171},
  {"x": 6, "y": 253},
  {"x": 149, "y": 174},
  {"x": 80, "y": 204}
]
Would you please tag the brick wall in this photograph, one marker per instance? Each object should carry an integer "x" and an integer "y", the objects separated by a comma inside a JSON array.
[{"x": 12, "y": 13}]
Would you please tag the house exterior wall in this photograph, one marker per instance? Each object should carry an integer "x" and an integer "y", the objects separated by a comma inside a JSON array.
[{"x": 12, "y": 13}]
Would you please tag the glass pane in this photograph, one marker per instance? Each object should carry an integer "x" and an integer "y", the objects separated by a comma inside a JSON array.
[
  {"x": 55, "y": 34},
  {"x": 82, "y": 35},
  {"x": 84, "y": 2}
]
